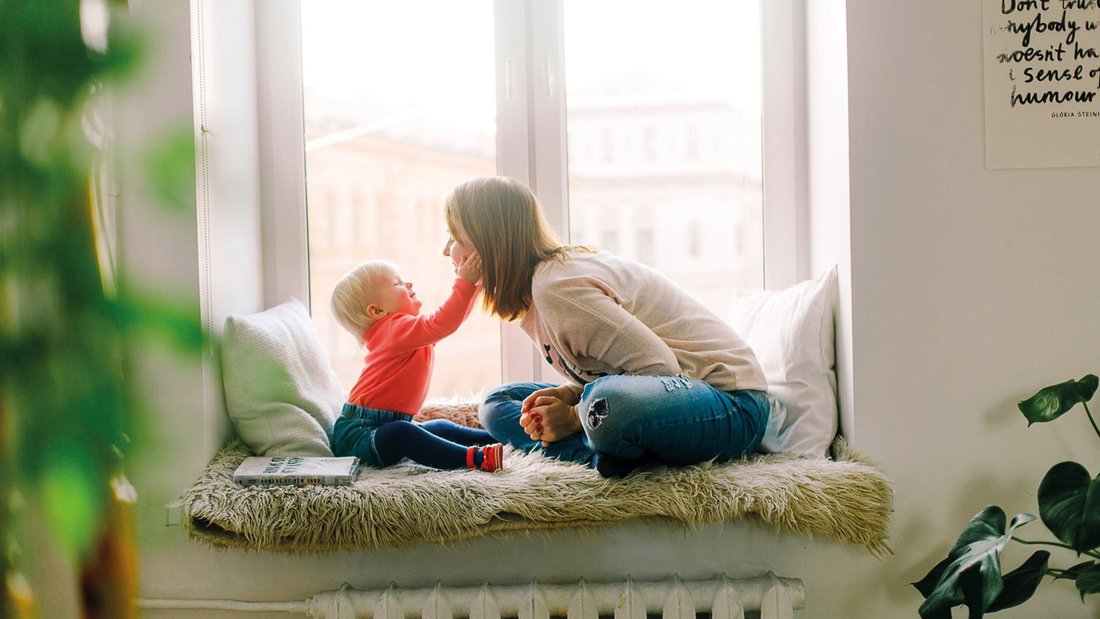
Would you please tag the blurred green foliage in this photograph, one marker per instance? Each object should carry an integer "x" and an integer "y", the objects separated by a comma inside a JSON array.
[
  {"x": 67, "y": 413},
  {"x": 170, "y": 169}
]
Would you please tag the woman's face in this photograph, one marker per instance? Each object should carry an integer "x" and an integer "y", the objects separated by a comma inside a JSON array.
[{"x": 458, "y": 246}]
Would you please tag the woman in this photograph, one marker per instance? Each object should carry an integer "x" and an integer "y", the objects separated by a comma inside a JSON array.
[{"x": 656, "y": 378}]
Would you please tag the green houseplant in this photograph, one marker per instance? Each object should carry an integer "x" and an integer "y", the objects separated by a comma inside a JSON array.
[
  {"x": 68, "y": 414},
  {"x": 1069, "y": 506}
]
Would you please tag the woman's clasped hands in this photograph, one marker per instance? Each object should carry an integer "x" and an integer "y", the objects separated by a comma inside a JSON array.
[{"x": 550, "y": 415}]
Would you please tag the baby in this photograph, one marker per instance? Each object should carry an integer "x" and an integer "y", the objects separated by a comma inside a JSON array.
[{"x": 381, "y": 310}]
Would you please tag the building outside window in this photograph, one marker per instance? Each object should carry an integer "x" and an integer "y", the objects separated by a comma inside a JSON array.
[{"x": 662, "y": 133}]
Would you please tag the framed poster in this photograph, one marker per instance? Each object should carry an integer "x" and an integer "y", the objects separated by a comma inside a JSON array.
[{"x": 1042, "y": 83}]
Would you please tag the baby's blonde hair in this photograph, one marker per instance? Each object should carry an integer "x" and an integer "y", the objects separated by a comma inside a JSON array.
[{"x": 354, "y": 293}]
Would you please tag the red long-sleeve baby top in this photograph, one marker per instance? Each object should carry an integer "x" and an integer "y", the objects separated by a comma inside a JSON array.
[{"x": 401, "y": 350}]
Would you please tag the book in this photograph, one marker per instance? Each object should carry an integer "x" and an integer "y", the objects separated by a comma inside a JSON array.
[{"x": 296, "y": 471}]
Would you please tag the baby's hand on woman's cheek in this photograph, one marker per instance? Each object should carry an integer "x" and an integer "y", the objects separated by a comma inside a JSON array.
[{"x": 470, "y": 269}]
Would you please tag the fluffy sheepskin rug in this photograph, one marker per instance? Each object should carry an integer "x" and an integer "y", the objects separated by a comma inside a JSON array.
[{"x": 845, "y": 498}]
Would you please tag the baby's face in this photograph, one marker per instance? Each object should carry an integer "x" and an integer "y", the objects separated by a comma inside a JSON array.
[{"x": 395, "y": 295}]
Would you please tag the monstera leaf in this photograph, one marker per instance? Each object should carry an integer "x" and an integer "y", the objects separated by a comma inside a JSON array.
[
  {"x": 1088, "y": 579},
  {"x": 1069, "y": 504},
  {"x": 971, "y": 574},
  {"x": 1020, "y": 584},
  {"x": 1049, "y": 403}
]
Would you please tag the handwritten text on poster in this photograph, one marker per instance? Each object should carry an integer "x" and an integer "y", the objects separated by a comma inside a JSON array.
[{"x": 1042, "y": 83}]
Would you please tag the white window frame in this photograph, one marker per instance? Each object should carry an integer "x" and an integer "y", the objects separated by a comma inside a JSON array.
[
  {"x": 785, "y": 143},
  {"x": 531, "y": 142},
  {"x": 282, "y": 150}
]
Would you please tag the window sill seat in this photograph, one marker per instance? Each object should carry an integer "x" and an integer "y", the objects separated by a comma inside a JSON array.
[{"x": 845, "y": 498}]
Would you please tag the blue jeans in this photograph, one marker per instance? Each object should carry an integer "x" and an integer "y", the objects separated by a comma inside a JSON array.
[
  {"x": 381, "y": 438},
  {"x": 641, "y": 419}
]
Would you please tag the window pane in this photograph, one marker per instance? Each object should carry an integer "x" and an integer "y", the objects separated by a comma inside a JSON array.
[
  {"x": 399, "y": 110},
  {"x": 663, "y": 116}
]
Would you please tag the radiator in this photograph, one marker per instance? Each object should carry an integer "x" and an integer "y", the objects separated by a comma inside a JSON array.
[
  {"x": 769, "y": 597},
  {"x": 766, "y": 597}
]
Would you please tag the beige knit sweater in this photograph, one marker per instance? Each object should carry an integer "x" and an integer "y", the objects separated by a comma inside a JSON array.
[{"x": 594, "y": 314}]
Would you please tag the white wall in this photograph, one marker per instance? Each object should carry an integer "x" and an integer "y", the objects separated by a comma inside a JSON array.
[
  {"x": 971, "y": 288},
  {"x": 964, "y": 290}
]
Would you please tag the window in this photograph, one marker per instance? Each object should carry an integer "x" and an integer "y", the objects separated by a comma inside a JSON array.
[
  {"x": 387, "y": 115},
  {"x": 650, "y": 145},
  {"x": 675, "y": 69}
]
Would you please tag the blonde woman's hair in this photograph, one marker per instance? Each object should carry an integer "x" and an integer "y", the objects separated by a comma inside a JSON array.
[
  {"x": 504, "y": 222},
  {"x": 354, "y": 293}
]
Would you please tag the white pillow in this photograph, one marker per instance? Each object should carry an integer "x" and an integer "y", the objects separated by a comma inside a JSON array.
[
  {"x": 280, "y": 390},
  {"x": 791, "y": 332}
]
